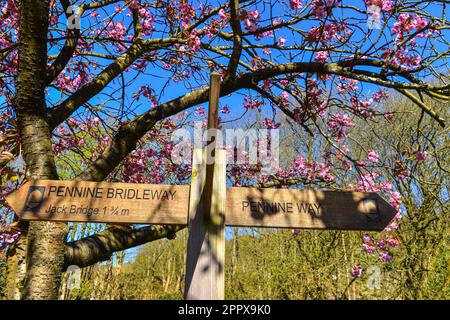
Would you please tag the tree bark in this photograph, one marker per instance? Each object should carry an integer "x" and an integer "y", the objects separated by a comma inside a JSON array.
[{"x": 46, "y": 240}]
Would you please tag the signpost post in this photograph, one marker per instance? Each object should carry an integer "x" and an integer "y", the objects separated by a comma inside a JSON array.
[{"x": 206, "y": 206}]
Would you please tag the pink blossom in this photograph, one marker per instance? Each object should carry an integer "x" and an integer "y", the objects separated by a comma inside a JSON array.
[
  {"x": 393, "y": 226},
  {"x": 250, "y": 23},
  {"x": 367, "y": 183},
  {"x": 295, "y": 4},
  {"x": 384, "y": 5},
  {"x": 225, "y": 109},
  {"x": 116, "y": 30},
  {"x": 387, "y": 5},
  {"x": 322, "y": 56},
  {"x": 312, "y": 170},
  {"x": 408, "y": 23},
  {"x": 368, "y": 248},
  {"x": 382, "y": 244},
  {"x": 267, "y": 51},
  {"x": 281, "y": 41},
  {"x": 393, "y": 242},
  {"x": 223, "y": 15},
  {"x": 200, "y": 111},
  {"x": 338, "y": 124},
  {"x": 148, "y": 21},
  {"x": 386, "y": 257},
  {"x": 7, "y": 239},
  {"x": 367, "y": 239},
  {"x": 255, "y": 15},
  {"x": 329, "y": 32},
  {"x": 94, "y": 14},
  {"x": 388, "y": 116},
  {"x": 195, "y": 44},
  {"x": 379, "y": 95},
  {"x": 401, "y": 171},
  {"x": 386, "y": 186},
  {"x": 421, "y": 155},
  {"x": 346, "y": 164},
  {"x": 396, "y": 199},
  {"x": 366, "y": 103},
  {"x": 322, "y": 8},
  {"x": 357, "y": 271},
  {"x": 269, "y": 124},
  {"x": 373, "y": 156},
  {"x": 252, "y": 104}
]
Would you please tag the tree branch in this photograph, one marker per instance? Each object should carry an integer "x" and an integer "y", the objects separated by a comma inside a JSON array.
[
  {"x": 424, "y": 107},
  {"x": 237, "y": 38},
  {"x": 60, "y": 113},
  {"x": 286, "y": 111}
]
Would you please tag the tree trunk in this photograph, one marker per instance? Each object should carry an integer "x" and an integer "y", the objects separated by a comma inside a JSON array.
[
  {"x": 16, "y": 265},
  {"x": 46, "y": 240}
]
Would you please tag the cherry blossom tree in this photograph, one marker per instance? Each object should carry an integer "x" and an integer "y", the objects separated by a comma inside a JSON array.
[{"x": 92, "y": 90}]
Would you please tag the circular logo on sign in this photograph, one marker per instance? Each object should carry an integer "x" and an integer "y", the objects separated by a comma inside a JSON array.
[{"x": 34, "y": 198}]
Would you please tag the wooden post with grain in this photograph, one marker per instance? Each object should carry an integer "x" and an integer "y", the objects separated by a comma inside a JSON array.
[{"x": 205, "y": 261}]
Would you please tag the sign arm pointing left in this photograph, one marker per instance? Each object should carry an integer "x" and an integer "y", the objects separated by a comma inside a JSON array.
[{"x": 101, "y": 202}]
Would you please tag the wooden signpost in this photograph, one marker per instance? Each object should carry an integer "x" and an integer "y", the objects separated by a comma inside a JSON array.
[
  {"x": 127, "y": 203},
  {"x": 206, "y": 206},
  {"x": 205, "y": 260}
]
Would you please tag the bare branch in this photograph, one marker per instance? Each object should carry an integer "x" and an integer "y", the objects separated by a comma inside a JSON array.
[{"x": 237, "y": 38}]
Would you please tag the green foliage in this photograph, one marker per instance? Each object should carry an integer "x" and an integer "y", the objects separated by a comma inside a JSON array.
[
  {"x": 270, "y": 264},
  {"x": 157, "y": 272}
]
